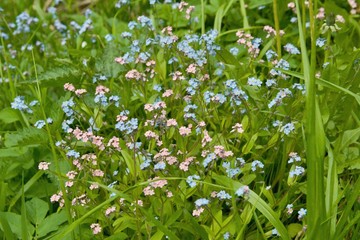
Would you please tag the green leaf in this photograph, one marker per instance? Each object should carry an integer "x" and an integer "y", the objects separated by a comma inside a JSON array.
[
  {"x": 57, "y": 77},
  {"x": 51, "y": 223},
  {"x": 5, "y": 227},
  {"x": 225, "y": 56},
  {"x": 258, "y": 203},
  {"x": 249, "y": 145},
  {"x": 9, "y": 115},
  {"x": 15, "y": 223},
  {"x": 294, "y": 229},
  {"x": 36, "y": 210},
  {"x": 118, "y": 236},
  {"x": 349, "y": 137},
  {"x": 26, "y": 137},
  {"x": 257, "y": 3},
  {"x": 158, "y": 224},
  {"x": 13, "y": 152}
]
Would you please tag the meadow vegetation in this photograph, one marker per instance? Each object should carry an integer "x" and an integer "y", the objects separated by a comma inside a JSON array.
[{"x": 163, "y": 119}]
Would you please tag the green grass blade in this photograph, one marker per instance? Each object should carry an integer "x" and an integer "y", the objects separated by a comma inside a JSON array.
[
  {"x": 331, "y": 193},
  {"x": 314, "y": 133}
]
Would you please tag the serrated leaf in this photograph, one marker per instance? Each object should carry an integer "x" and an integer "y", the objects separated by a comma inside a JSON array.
[
  {"x": 26, "y": 137},
  {"x": 57, "y": 77}
]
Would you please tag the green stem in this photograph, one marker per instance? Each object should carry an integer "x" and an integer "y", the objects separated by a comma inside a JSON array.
[
  {"x": 315, "y": 137},
  {"x": 243, "y": 14},
  {"x": 277, "y": 28},
  {"x": 52, "y": 145},
  {"x": 203, "y": 16}
]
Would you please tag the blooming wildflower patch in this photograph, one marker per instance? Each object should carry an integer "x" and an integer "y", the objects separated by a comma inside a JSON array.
[{"x": 176, "y": 119}]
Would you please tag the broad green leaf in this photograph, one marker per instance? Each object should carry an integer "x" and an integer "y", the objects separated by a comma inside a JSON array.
[
  {"x": 9, "y": 115},
  {"x": 349, "y": 137},
  {"x": 294, "y": 229},
  {"x": 36, "y": 210},
  {"x": 51, "y": 223},
  {"x": 13, "y": 152},
  {"x": 14, "y": 221}
]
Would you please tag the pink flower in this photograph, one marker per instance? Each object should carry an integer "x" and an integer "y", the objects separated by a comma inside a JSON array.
[
  {"x": 171, "y": 160},
  {"x": 97, "y": 173},
  {"x": 69, "y": 87},
  {"x": 100, "y": 90},
  {"x": 71, "y": 174},
  {"x": 150, "y": 134},
  {"x": 171, "y": 122},
  {"x": 177, "y": 76},
  {"x": 169, "y": 194},
  {"x": 110, "y": 210},
  {"x": 135, "y": 74},
  {"x": 185, "y": 131},
  {"x": 238, "y": 128},
  {"x": 80, "y": 92},
  {"x": 191, "y": 68},
  {"x": 206, "y": 139},
  {"x": 55, "y": 198},
  {"x": 158, "y": 184},
  {"x": 96, "y": 228},
  {"x": 44, "y": 165},
  {"x": 120, "y": 60},
  {"x": 69, "y": 183},
  {"x": 148, "y": 191},
  {"x": 182, "y": 5},
  {"x": 188, "y": 11},
  {"x": 148, "y": 107},
  {"x": 197, "y": 212},
  {"x": 339, "y": 18},
  {"x": 114, "y": 142},
  {"x": 94, "y": 186}
]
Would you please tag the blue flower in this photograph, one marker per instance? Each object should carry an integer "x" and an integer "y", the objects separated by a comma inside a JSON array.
[
  {"x": 201, "y": 202},
  {"x": 256, "y": 164},
  {"x": 320, "y": 42},
  {"x": 160, "y": 166},
  {"x": 288, "y": 128},
  {"x": 108, "y": 37},
  {"x": 242, "y": 191},
  {"x": 270, "y": 82},
  {"x": 290, "y": 48},
  {"x": 208, "y": 159},
  {"x": 146, "y": 163},
  {"x": 39, "y": 124},
  {"x": 297, "y": 171},
  {"x": 302, "y": 213},
  {"x": 72, "y": 153},
  {"x": 252, "y": 81},
  {"x": 234, "y": 51},
  {"x": 121, "y": 3},
  {"x": 222, "y": 195},
  {"x": 190, "y": 180},
  {"x": 19, "y": 103},
  {"x": 67, "y": 107}
]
